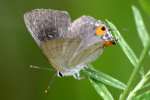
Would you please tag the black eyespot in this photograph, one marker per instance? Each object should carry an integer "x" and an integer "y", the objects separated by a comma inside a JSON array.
[
  {"x": 60, "y": 74},
  {"x": 47, "y": 34},
  {"x": 103, "y": 28}
]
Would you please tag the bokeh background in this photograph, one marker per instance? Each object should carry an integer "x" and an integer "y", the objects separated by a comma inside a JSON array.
[{"x": 18, "y": 50}]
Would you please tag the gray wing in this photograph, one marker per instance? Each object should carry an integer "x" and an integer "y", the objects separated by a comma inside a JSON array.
[
  {"x": 83, "y": 26},
  {"x": 87, "y": 55},
  {"x": 91, "y": 45},
  {"x": 59, "y": 51},
  {"x": 47, "y": 24}
]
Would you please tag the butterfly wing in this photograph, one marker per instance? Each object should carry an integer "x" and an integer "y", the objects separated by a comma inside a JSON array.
[
  {"x": 47, "y": 24},
  {"x": 87, "y": 55},
  {"x": 65, "y": 46},
  {"x": 49, "y": 28},
  {"x": 91, "y": 46},
  {"x": 59, "y": 51}
]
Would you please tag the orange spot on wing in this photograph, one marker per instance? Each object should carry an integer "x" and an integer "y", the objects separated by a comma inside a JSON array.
[
  {"x": 100, "y": 30},
  {"x": 108, "y": 43}
]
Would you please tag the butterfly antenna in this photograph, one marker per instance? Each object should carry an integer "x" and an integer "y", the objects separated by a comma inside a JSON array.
[
  {"x": 52, "y": 79},
  {"x": 40, "y": 68}
]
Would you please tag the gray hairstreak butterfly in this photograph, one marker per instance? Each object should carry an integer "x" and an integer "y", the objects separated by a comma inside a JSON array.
[{"x": 69, "y": 46}]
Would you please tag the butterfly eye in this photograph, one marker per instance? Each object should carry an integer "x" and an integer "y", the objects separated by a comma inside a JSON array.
[{"x": 100, "y": 30}]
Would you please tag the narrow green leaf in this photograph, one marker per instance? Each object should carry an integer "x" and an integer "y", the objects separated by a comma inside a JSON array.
[
  {"x": 139, "y": 86},
  {"x": 104, "y": 78},
  {"x": 143, "y": 96},
  {"x": 101, "y": 90},
  {"x": 142, "y": 32},
  {"x": 123, "y": 44},
  {"x": 147, "y": 85},
  {"x": 145, "y": 88},
  {"x": 145, "y": 4}
]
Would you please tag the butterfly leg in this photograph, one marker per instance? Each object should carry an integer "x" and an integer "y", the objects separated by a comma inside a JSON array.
[
  {"x": 40, "y": 68},
  {"x": 77, "y": 76},
  {"x": 52, "y": 79}
]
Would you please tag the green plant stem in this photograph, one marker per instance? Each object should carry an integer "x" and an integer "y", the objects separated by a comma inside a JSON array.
[
  {"x": 138, "y": 86},
  {"x": 134, "y": 73}
]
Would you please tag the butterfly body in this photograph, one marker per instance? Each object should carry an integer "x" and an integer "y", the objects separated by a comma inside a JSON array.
[{"x": 69, "y": 46}]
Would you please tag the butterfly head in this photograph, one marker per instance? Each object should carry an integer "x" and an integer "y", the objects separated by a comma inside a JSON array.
[{"x": 103, "y": 32}]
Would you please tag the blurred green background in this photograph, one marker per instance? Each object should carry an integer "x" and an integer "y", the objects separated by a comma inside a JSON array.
[{"x": 18, "y": 50}]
